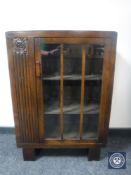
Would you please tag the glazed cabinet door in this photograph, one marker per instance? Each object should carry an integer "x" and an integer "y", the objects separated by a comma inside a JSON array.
[{"x": 73, "y": 87}]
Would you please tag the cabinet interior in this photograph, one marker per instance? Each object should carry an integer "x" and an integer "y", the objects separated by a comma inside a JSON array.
[{"x": 64, "y": 62}]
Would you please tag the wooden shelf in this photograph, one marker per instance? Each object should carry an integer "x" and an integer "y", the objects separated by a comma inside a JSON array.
[
  {"x": 94, "y": 57},
  {"x": 54, "y": 135},
  {"x": 72, "y": 77},
  {"x": 72, "y": 109},
  {"x": 89, "y": 135},
  {"x": 76, "y": 135}
]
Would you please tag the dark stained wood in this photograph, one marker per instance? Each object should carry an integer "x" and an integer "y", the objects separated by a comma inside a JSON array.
[
  {"x": 23, "y": 90},
  {"x": 39, "y": 91},
  {"x": 62, "y": 144},
  {"x": 112, "y": 70},
  {"x": 53, "y": 34},
  {"x": 94, "y": 153},
  {"x": 18, "y": 128},
  {"x": 61, "y": 90},
  {"x": 29, "y": 154},
  {"x": 82, "y": 90},
  {"x": 107, "y": 87},
  {"x": 27, "y": 89},
  {"x": 78, "y": 40}
]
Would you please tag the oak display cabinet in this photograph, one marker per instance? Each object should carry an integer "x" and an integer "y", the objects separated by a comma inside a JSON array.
[{"x": 61, "y": 84}]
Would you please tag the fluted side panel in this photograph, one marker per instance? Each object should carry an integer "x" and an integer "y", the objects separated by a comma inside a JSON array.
[{"x": 25, "y": 96}]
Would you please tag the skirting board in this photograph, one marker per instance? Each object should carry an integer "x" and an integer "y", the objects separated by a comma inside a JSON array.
[
  {"x": 7, "y": 130},
  {"x": 112, "y": 131}
]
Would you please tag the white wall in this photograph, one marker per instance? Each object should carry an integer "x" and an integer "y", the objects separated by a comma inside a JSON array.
[{"x": 112, "y": 15}]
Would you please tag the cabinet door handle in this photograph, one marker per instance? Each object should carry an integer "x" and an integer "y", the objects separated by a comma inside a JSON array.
[{"x": 38, "y": 68}]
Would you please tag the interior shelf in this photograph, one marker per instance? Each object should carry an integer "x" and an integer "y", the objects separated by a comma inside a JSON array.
[
  {"x": 72, "y": 109},
  {"x": 70, "y": 93},
  {"x": 73, "y": 77},
  {"x": 71, "y": 127},
  {"x": 90, "y": 135},
  {"x": 94, "y": 57},
  {"x": 78, "y": 57}
]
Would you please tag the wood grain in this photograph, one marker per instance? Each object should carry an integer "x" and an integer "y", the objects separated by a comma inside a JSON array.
[
  {"x": 82, "y": 91},
  {"x": 61, "y": 90},
  {"x": 39, "y": 91},
  {"x": 27, "y": 87}
]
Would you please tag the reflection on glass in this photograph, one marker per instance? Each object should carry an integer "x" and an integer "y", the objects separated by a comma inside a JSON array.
[
  {"x": 50, "y": 58},
  {"x": 51, "y": 93},
  {"x": 72, "y": 95},
  {"x": 72, "y": 61},
  {"x": 95, "y": 50},
  {"x": 71, "y": 126},
  {"x": 72, "y": 90},
  {"x": 52, "y": 126},
  {"x": 94, "y": 67},
  {"x": 94, "y": 59},
  {"x": 92, "y": 96},
  {"x": 90, "y": 126},
  {"x": 50, "y": 54}
]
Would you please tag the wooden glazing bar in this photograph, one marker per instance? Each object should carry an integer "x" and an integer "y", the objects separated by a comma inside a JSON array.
[
  {"x": 61, "y": 90},
  {"x": 40, "y": 89},
  {"x": 82, "y": 91}
]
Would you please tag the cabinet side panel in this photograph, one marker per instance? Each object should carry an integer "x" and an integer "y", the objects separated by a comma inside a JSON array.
[
  {"x": 22, "y": 78},
  {"x": 107, "y": 87},
  {"x": 13, "y": 89},
  {"x": 112, "y": 70}
]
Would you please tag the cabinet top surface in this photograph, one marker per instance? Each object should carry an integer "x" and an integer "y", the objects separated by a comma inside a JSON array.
[{"x": 60, "y": 33}]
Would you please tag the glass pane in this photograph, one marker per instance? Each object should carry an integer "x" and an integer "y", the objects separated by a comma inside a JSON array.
[
  {"x": 72, "y": 90},
  {"x": 94, "y": 61},
  {"x": 51, "y": 96},
  {"x": 72, "y": 62},
  {"x": 50, "y": 58},
  {"x": 71, "y": 126},
  {"x": 50, "y": 61},
  {"x": 52, "y": 129},
  {"x": 93, "y": 82},
  {"x": 92, "y": 97},
  {"x": 94, "y": 67},
  {"x": 72, "y": 94},
  {"x": 72, "y": 78},
  {"x": 90, "y": 126}
]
